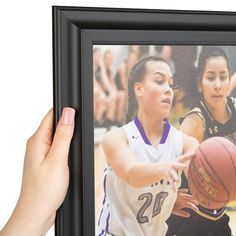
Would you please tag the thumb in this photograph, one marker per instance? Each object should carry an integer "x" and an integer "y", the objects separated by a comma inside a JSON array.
[{"x": 63, "y": 135}]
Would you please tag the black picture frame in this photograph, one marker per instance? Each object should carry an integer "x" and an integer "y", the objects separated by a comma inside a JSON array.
[{"x": 75, "y": 31}]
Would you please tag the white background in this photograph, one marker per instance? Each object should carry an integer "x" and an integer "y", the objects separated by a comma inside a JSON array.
[{"x": 26, "y": 75}]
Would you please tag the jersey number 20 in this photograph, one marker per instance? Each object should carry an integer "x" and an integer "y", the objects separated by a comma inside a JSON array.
[{"x": 159, "y": 200}]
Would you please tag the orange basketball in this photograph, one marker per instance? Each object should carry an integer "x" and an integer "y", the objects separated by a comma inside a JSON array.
[{"x": 212, "y": 173}]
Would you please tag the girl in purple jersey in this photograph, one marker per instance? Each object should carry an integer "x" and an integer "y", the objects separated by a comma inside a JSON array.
[{"x": 144, "y": 157}]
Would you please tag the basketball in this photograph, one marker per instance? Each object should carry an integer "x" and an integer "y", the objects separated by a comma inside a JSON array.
[{"x": 212, "y": 173}]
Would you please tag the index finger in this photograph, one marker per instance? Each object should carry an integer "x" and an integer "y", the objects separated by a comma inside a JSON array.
[{"x": 185, "y": 158}]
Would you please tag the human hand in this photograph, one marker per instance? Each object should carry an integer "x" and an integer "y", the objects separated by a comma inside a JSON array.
[
  {"x": 171, "y": 171},
  {"x": 184, "y": 200},
  {"x": 45, "y": 177}
]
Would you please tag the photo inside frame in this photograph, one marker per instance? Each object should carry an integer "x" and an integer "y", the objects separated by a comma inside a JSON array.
[{"x": 112, "y": 65}]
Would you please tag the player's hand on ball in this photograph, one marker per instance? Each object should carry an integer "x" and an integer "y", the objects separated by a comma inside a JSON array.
[{"x": 184, "y": 200}]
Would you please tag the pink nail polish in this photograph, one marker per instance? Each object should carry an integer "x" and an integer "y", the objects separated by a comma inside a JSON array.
[{"x": 68, "y": 116}]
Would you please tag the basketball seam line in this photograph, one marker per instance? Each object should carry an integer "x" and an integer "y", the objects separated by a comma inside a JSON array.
[
  {"x": 215, "y": 174},
  {"x": 200, "y": 189},
  {"x": 195, "y": 185}
]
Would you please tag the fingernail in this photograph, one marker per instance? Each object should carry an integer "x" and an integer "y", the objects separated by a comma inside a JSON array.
[{"x": 68, "y": 116}]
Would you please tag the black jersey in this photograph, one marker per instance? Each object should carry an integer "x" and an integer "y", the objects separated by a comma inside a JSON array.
[
  {"x": 206, "y": 221},
  {"x": 214, "y": 128}
]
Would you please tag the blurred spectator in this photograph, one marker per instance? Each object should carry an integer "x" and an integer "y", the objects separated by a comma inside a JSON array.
[
  {"x": 121, "y": 80},
  {"x": 121, "y": 77},
  {"x": 184, "y": 77},
  {"x": 166, "y": 53},
  {"x": 106, "y": 84},
  {"x": 184, "y": 58},
  {"x": 108, "y": 61},
  {"x": 120, "y": 94},
  {"x": 135, "y": 49},
  {"x": 99, "y": 94}
]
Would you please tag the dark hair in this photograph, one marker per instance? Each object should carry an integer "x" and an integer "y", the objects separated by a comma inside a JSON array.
[
  {"x": 192, "y": 96},
  {"x": 207, "y": 53},
  {"x": 137, "y": 75}
]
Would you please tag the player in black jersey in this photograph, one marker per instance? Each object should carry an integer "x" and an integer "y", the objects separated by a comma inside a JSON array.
[{"x": 213, "y": 114}]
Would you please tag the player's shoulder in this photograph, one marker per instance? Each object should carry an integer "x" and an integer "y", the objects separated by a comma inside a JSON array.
[
  {"x": 193, "y": 118},
  {"x": 113, "y": 142},
  {"x": 115, "y": 136},
  {"x": 114, "y": 133}
]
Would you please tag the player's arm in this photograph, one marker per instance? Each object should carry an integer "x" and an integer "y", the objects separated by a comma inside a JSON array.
[
  {"x": 193, "y": 125},
  {"x": 124, "y": 163}
]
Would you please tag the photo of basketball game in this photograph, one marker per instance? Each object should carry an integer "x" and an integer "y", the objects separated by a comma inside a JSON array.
[{"x": 164, "y": 140}]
